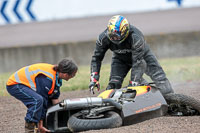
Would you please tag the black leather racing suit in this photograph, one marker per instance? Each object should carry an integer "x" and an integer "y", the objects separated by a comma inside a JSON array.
[{"x": 133, "y": 53}]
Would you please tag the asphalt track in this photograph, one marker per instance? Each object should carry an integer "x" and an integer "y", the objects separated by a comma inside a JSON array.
[{"x": 85, "y": 29}]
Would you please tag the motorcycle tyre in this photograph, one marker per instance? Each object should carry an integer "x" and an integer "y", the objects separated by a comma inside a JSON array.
[
  {"x": 183, "y": 99},
  {"x": 112, "y": 120}
]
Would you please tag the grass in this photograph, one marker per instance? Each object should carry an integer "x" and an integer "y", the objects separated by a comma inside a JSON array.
[
  {"x": 182, "y": 69},
  {"x": 177, "y": 70},
  {"x": 3, "y": 79}
]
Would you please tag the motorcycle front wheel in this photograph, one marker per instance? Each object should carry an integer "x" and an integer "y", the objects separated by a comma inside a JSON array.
[
  {"x": 182, "y": 105},
  {"x": 80, "y": 122}
]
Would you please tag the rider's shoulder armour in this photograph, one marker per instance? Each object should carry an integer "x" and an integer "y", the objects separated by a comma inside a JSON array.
[
  {"x": 102, "y": 39},
  {"x": 138, "y": 40}
]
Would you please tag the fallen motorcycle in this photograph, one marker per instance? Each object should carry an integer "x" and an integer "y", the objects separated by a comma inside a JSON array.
[{"x": 116, "y": 107}]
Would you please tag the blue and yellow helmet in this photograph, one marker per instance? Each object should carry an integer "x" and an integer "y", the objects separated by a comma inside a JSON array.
[{"x": 117, "y": 29}]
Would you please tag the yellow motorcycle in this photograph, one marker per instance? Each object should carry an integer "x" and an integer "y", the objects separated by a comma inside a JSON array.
[{"x": 117, "y": 107}]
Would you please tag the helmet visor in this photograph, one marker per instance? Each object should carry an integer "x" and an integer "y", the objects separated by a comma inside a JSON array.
[{"x": 114, "y": 37}]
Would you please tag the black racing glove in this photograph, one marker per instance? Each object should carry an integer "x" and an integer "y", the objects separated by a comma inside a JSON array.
[{"x": 94, "y": 82}]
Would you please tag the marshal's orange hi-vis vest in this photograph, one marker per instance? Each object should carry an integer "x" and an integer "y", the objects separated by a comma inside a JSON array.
[{"x": 27, "y": 75}]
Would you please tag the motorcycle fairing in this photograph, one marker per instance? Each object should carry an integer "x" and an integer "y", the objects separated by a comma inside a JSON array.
[
  {"x": 106, "y": 94},
  {"x": 145, "y": 106}
]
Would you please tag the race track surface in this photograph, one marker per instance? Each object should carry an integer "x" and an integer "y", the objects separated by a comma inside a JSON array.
[
  {"x": 84, "y": 29},
  {"x": 12, "y": 114}
]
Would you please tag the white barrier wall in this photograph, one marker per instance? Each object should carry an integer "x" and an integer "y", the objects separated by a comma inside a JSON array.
[
  {"x": 19, "y": 11},
  {"x": 163, "y": 45}
]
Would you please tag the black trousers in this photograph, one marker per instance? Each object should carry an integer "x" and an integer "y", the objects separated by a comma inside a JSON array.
[{"x": 119, "y": 70}]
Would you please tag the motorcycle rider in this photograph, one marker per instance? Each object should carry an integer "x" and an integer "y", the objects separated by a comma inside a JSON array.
[
  {"x": 38, "y": 86},
  {"x": 130, "y": 51}
]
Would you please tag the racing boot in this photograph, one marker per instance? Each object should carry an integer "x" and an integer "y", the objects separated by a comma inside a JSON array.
[{"x": 30, "y": 127}]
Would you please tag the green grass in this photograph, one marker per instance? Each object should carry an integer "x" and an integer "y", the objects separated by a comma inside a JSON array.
[
  {"x": 182, "y": 69},
  {"x": 3, "y": 79},
  {"x": 177, "y": 70}
]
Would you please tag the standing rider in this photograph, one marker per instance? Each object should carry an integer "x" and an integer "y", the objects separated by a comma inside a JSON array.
[{"x": 130, "y": 51}]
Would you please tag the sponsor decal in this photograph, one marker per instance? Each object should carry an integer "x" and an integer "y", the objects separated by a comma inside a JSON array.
[
  {"x": 148, "y": 108},
  {"x": 122, "y": 51}
]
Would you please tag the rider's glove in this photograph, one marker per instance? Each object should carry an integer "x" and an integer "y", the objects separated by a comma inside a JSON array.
[
  {"x": 132, "y": 83},
  {"x": 94, "y": 82}
]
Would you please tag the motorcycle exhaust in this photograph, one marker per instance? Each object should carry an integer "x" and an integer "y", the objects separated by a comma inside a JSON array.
[
  {"x": 88, "y": 102},
  {"x": 81, "y": 102},
  {"x": 112, "y": 102}
]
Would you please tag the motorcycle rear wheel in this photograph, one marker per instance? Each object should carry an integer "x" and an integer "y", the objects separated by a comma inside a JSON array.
[
  {"x": 182, "y": 105},
  {"x": 78, "y": 122}
]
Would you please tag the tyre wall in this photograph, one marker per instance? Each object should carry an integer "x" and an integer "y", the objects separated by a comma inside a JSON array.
[{"x": 163, "y": 45}]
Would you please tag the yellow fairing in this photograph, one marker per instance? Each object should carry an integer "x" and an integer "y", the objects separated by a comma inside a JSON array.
[
  {"x": 140, "y": 89},
  {"x": 105, "y": 94}
]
